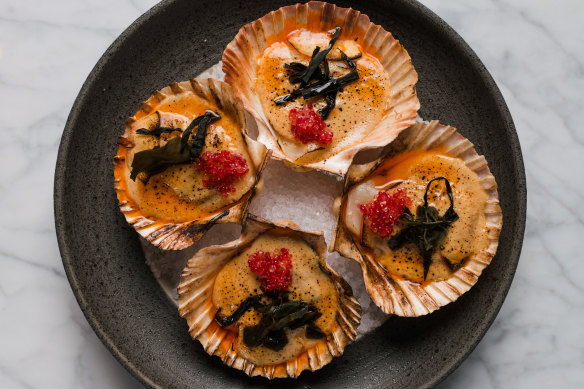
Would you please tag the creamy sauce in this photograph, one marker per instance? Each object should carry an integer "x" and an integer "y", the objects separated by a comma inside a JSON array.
[
  {"x": 177, "y": 194},
  {"x": 466, "y": 236},
  {"x": 359, "y": 106},
  {"x": 236, "y": 282}
]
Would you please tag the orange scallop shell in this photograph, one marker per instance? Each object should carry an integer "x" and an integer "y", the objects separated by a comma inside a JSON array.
[
  {"x": 240, "y": 66},
  {"x": 402, "y": 297},
  {"x": 196, "y": 306},
  {"x": 165, "y": 234}
]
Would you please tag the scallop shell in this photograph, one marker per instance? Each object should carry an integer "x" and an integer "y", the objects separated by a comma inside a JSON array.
[
  {"x": 240, "y": 66},
  {"x": 402, "y": 297},
  {"x": 165, "y": 234},
  {"x": 195, "y": 292}
]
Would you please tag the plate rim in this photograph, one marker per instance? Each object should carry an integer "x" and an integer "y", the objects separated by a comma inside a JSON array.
[{"x": 421, "y": 10}]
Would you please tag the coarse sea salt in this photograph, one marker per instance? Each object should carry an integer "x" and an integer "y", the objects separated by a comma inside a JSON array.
[{"x": 303, "y": 197}]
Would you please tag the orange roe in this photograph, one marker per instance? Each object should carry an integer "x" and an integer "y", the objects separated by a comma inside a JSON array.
[
  {"x": 308, "y": 126},
  {"x": 273, "y": 268},
  {"x": 384, "y": 211},
  {"x": 221, "y": 170}
]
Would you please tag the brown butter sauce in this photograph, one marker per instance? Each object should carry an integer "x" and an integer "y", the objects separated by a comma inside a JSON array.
[
  {"x": 466, "y": 236},
  {"x": 155, "y": 198}
]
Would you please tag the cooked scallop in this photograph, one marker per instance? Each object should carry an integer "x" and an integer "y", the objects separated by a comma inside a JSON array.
[
  {"x": 415, "y": 263},
  {"x": 167, "y": 193},
  {"x": 268, "y": 303},
  {"x": 323, "y": 83}
]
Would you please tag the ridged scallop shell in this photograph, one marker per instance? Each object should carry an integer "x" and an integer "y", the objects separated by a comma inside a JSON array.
[
  {"x": 402, "y": 297},
  {"x": 165, "y": 234},
  {"x": 240, "y": 65},
  {"x": 195, "y": 305}
]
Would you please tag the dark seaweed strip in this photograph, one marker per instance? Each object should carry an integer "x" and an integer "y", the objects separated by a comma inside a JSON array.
[
  {"x": 280, "y": 314},
  {"x": 452, "y": 265},
  {"x": 352, "y": 65},
  {"x": 427, "y": 230},
  {"x": 301, "y": 70},
  {"x": 158, "y": 159},
  {"x": 327, "y": 70},
  {"x": 295, "y": 78},
  {"x": 313, "y": 332},
  {"x": 235, "y": 316},
  {"x": 157, "y": 131},
  {"x": 332, "y": 85},
  {"x": 275, "y": 340},
  {"x": 331, "y": 100},
  {"x": 175, "y": 151},
  {"x": 449, "y": 214},
  {"x": 187, "y": 133},
  {"x": 320, "y": 56},
  {"x": 304, "y": 74},
  {"x": 289, "y": 97},
  {"x": 289, "y": 314},
  {"x": 324, "y": 85},
  {"x": 199, "y": 140}
]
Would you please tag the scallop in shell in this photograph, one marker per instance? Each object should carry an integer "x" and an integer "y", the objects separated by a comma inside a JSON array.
[
  {"x": 173, "y": 206},
  {"x": 218, "y": 279},
  {"x": 368, "y": 112},
  {"x": 396, "y": 277}
]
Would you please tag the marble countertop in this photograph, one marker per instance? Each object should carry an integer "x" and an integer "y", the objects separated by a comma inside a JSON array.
[{"x": 533, "y": 49}]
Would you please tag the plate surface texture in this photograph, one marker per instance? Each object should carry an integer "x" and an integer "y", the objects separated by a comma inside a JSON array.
[{"x": 175, "y": 41}]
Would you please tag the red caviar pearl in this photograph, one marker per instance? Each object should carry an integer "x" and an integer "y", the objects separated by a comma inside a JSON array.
[
  {"x": 384, "y": 211},
  {"x": 273, "y": 268},
  {"x": 221, "y": 170},
  {"x": 308, "y": 126}
]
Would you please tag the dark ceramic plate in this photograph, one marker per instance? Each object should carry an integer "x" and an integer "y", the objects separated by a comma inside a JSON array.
[{"x": 176, "y": 40}]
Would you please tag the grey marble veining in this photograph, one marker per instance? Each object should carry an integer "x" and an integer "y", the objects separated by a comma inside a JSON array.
[{"x": 533, "y": 49}]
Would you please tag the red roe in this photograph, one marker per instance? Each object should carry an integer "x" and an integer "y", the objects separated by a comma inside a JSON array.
[
  {"x": 273, "y": 268},
  {"x": 384, "y": 211},
  {"x": 221, "y": 170},
  {"x": 308, "y": 126}
]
